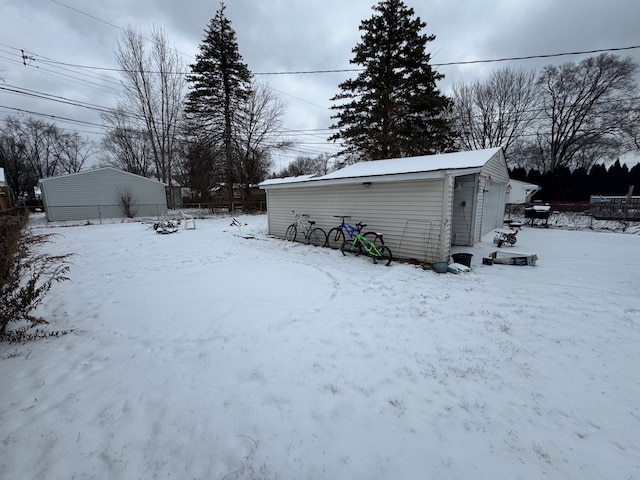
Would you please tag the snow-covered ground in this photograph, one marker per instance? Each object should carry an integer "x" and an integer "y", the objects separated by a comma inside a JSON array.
[{"x": 206, "y": 355}]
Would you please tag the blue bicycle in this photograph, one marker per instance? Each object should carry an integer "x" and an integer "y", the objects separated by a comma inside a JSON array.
[{"x": 336, "y": 236}]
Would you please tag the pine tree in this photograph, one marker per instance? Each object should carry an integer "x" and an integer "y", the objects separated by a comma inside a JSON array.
[
  {"x": 220, "y": 84},
  {"x": 393, "y": 108}
]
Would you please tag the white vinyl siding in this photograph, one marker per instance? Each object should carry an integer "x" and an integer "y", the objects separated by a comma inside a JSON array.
[
  {"x": 408, "y": 214},
  {"x": 413, "y": 201},
  {"x": 494, "y": 181}
]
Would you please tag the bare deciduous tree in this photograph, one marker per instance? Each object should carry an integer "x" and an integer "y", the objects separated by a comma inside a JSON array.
[
  {"x": 306, "y": 166},
  {"x": 496, "y": 112},
  {"x": 128, "y": 149},
  {"x": 587, "y": 112},
  {"x": 73, "y": 152},
  {"x": 32, "y": 149},
  {"x": 154, "y": 86},
  {"x": 256, "y": 134}
]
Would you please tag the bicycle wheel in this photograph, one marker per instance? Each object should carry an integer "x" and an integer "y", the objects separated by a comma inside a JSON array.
[
  {"x": 350, "y": 247},
  {"x": 511, "y": 239},
  {"x": 290, "y": 234},
  {"x": 335, "y": 237},
  {"x": 317, "y": 238},
  {"x": 384, "y": 256},
  {"x": 373, "y": 237}
]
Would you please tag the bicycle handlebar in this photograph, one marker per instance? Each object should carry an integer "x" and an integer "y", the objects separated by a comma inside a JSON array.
[{"x": 342, "y": 216}]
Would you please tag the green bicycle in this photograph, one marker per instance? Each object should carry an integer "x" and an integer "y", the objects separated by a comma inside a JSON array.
[{"x": 359, "y": 244}]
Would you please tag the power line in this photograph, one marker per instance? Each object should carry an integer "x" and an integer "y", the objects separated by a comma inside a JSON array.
[
  {"x": 347, "y": 70},
  {"x": 532, "y": 57},
  {"x": 46, "y": 96},
  {"x": 52, "y": 117}
]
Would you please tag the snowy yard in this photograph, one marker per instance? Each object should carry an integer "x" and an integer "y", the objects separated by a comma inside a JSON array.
[{"x": 206, "y": 355}]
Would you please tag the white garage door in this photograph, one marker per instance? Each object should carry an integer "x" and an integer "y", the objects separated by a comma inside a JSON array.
[{"x": 493, "y": 209}]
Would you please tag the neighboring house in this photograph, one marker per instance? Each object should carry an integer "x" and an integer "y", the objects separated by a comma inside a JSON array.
[
  {"x": 6, "y": 195},
  {"x": 519, "y": 193},
  {"x": 422, "y": 205},
  {"x": 102, "y": 193}
]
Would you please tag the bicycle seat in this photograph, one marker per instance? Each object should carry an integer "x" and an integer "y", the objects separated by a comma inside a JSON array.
[{"x": 311, "y": 222}]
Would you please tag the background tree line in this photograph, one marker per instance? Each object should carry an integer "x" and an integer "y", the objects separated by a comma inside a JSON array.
[
  {"x": 579, "y": 184},
  {"x": 574, "y": 115},
  {"x": 32, "y": 149}
]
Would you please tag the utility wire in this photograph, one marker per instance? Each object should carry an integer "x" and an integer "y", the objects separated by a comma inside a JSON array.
[{"x": 347, "y": 70}]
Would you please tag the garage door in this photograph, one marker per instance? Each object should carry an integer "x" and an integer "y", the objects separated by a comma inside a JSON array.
[{"x": 493, "y": 208}]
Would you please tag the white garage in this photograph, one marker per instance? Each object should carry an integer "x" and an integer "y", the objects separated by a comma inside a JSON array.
[{"x": 423, "y": 205}]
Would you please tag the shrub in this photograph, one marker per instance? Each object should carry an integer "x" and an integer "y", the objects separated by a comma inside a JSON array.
[
  {"x": 26, "y": 275},
  {"x": 128, "y": 203}
]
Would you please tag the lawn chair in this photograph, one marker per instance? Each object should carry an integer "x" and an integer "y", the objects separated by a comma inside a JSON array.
[{"x": 189, "y": 221}]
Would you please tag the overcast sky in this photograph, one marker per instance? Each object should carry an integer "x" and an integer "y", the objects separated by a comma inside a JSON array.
[{"x": 277, "y": 36}]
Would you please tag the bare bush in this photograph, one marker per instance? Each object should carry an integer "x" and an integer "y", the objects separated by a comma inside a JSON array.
[
  {"x": 26, "y": 276},
  {"x": 127, "y": 202}
]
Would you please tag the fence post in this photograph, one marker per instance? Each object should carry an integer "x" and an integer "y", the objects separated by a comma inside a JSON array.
[{"x": 627, "y": 203}]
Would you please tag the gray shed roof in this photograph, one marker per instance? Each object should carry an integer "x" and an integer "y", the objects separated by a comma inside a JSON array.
[
  {"x": 426, "y": 166},
  {"x": 94, "y": 171}
]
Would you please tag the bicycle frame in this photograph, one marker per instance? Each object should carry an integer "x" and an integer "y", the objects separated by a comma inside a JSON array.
[
  {"x": 360, "y": 243},
  {"x": 348, "y": 229},
  {"x": 369, "y": 247},
  {"x": 308, "y": 230},
  {"x": 305, "y": 228}
]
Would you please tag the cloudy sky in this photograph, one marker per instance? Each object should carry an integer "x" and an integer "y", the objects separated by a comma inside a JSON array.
[{"x": 42, "y": 41}]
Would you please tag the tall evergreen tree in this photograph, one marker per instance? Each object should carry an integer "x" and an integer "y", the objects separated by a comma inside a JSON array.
[
  {"x": 220, "y": 85},
  {"x": 393, "y": 108},
  {"x": 597, "y": 180}
]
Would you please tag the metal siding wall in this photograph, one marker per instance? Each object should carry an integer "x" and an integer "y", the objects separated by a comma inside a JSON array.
[
  {"x": 409, "y": 214},
  {"x": 94, "y": 194}
]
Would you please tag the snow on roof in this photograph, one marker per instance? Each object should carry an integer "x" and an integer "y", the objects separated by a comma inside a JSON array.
[
  {"x": 396, "y": 166},
  {"x": 93, "y": 171},
  {"x": 299, "y": 178},
  {"x": 521, "y": 184},
  {"x": 425, "y": 163}
]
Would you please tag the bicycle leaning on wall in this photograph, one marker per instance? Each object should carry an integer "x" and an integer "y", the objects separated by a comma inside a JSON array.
[
  {"x": 311, "y": 234},
  {"x": 336, "y": 235},
  {"x": 360, "y": 244}
]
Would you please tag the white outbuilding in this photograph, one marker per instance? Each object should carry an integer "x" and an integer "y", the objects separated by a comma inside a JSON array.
[
  {"x": 102, "y": 193},
  {"x": 520, "y": 193},
  {"x": 422, "y": 205}
]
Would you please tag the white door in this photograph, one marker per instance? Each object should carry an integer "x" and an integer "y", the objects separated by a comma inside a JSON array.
[{"x": 493, "y": 207}]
